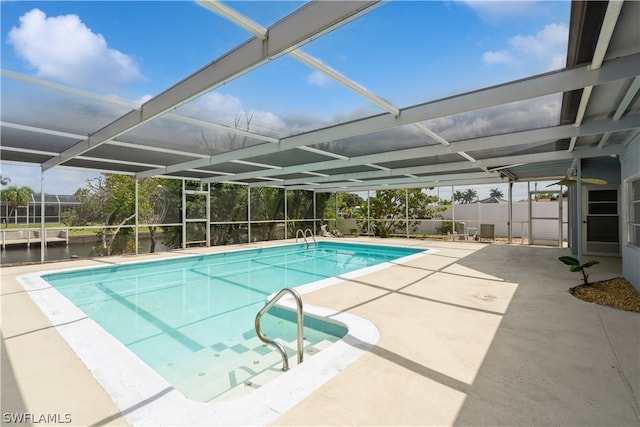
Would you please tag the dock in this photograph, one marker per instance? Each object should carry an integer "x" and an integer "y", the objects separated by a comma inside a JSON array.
[{"x": 32, "y": 237}]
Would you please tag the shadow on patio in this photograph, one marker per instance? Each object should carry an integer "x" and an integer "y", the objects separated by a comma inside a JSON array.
[{"x": 481, "y": 335}]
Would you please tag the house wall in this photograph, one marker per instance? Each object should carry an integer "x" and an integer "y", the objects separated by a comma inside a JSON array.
[
  {"x": 607, "y": 168},
  {"x": 630, "y": 168}
]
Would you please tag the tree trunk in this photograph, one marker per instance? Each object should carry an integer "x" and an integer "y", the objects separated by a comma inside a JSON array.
[
  {"x": 107, "y": 246},
  {"x": 152, "y": 236}
]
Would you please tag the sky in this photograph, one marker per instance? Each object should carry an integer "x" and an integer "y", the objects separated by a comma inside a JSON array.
[{"x": 135, "y": 50}]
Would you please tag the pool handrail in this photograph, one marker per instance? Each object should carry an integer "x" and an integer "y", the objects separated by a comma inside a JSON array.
[
  {"x": 280, "y": 347},
  {"x": 304, "y": 236},
  {"x": 312, "y": 236}
]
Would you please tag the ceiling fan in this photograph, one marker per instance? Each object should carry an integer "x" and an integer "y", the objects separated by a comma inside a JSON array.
[
  {"x": 570, "y": 181},
  {"x": 572, "y": 178}
]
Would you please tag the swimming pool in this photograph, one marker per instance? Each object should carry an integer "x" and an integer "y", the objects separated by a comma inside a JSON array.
[{"x": 187, "y": 308}]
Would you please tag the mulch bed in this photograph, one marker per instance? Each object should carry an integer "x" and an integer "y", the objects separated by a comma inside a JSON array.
[{"x": 617, "y": 293}]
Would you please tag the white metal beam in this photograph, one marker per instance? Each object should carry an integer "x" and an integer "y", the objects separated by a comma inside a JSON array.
[
  {"x": 324, "y": 153},
  {"x": 545, "y": 84},
  {"x": 466, "y": 156},
  {"x": 301, "y": 56},
  {"x": 27, "y": 151},
  {"x": 112, "y": 142},
  {"x": 462, "y": 178},
  {"x": 629, "y": 96},
  {"x": 632, "y": 136},
  {"x": 130, "y": 104},
  {"x": 330, "y": 72},
  {"x": 236, "y": 17},
  {"x": 604, "y": 139},
  {"x": 442, "y": 168},
  {"x": 382, "y": 177},
  {"x": 310, "y": 21},
  {"x": 259, "y": 165},
  {"x": 536, "y": 136},
  {"x": 67, "y": 89},
  {"x": 606, "y": 31},
  {"x": 422, "y": 128},
  {"x": 115, "y": 161},
  {"x": 353, "y": 187}
]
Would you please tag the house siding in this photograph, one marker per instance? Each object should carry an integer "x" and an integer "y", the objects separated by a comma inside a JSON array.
[{"x": 630, "y": 168}]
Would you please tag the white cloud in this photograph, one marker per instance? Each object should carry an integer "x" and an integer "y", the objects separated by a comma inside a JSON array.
[
  {"x": 226, "y": 109},
  {"x": 552, "y": 38},
  {"x": 220, "y": 107},
  {"x": 65, "y": 49},
  {"x": 497, "y": 57},
  {"x": 318, "y": 79},
  {"x": 557, "y": 61},
  {"x": 548, "y": 47},
  {"x": 497, "y": 11}
]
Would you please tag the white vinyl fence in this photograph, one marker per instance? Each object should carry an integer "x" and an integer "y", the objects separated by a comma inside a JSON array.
[{"x": 544, "y": 224}]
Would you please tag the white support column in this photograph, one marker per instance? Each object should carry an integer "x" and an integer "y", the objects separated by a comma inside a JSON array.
[
  {"x": 248, "y": 214},
  {"x": 368, "y": 212},
  {"x": 478, "y": 217},
  {"x": 579, "y": 214},
  {"x": 560, "y": 213},
  {"x": 510, "y": 213},
  {"x": 453, "y": 212},
  {"x": 315, "y": 219},
  {"x": 184, "y": 215},
  {"x": 59, "y": 208},
  {"x": 137, "y": 212},
  {"x": 43, "y": 230},
  {"x": 529, "y": 214},
  {"x": 286, "y": 215},
  {"x": 208, "y": 210},
  {"x": 406, "y": 210},
  {"x": 337, "y": 212}
]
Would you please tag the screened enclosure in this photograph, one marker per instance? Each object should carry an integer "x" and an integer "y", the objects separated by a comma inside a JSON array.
[{"x": 234, "y": 173}]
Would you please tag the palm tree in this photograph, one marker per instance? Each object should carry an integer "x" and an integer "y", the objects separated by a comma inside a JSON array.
[
  {"x": 470, "y": 195},
  {"x": 496, "y": 192},
  {"x": 16, "y": 196}
]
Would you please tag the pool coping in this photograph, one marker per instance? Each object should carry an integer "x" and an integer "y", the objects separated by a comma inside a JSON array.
[{"x": 145, "y": 398}]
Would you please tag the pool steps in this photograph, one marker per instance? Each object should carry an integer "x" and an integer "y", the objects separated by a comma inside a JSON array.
[
  {"x": 268, "y": 375},
  {"x": 251, "y": 362}
]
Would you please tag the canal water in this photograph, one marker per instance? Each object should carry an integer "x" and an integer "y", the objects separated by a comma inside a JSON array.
[{"x": 18, "y": 254}]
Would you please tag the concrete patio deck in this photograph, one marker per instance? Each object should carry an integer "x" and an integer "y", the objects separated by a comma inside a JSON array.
[{"x": 473, "y": 334}]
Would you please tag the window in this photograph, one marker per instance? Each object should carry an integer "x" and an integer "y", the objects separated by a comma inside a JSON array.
[{"x": 633, "y": 221}]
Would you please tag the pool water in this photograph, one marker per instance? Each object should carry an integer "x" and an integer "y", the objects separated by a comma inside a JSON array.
[{"x": 191, "y": 318}]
